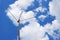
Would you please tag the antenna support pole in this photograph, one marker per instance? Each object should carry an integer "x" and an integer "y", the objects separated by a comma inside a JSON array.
[{"x": 18, "y": 29}]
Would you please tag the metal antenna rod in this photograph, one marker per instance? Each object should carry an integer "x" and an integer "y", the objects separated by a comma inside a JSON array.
[
  {"x": 13, "y": 15},
  {"x": 18, "y": 21},
  {"x": 19, "y": 26},
  {"x": 19, "y": 30},
  {"x": 27, "y": 19}
]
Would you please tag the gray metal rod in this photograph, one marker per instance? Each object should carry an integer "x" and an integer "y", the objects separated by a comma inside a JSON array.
[
  {"x": 18, "y": 29},
  {"x": 19, "y": 26}
]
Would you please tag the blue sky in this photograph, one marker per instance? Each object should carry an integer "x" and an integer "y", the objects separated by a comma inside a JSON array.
[{"x": 9, "y": 31}]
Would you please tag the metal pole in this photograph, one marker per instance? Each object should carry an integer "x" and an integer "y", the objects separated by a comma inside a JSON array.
[
  {"x": 18, "y": 29},
  {"x": 19, "y": 26}
]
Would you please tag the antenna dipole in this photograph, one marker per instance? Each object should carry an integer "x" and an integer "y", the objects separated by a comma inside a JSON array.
[
  {"x": 13, "y": 15},
  {"x": 18, "y": 21}
]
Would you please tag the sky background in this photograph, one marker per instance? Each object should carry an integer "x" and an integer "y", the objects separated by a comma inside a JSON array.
[{"x": 9, "y": 31}]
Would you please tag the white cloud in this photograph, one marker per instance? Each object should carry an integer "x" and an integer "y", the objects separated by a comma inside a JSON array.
[
  {"x": 51, "y": 28},
  {"x": 27, "y": 15},
  {"x": 27, "y": 34},
  {"x": 42, "y": 17},
  {"x": 42, "y": 9},
  {"x": 34, "y": 31},
  {"x": 22, "y": 3},
  {"x": 55, "y": 8}
]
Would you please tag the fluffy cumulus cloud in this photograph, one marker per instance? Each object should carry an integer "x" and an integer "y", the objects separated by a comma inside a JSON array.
[
  {"x": 55, "y": 8},
  {"x": 22, "y": 3},
  {"x": 51, "y": 28},
  {"x": 34, "y": 30}
]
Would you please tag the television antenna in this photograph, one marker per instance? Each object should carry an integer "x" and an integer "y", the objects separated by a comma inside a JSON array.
[{"x": 18, "y": 21}]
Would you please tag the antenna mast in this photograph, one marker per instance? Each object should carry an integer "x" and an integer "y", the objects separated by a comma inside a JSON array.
[{"x": 19, "y": 26}]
